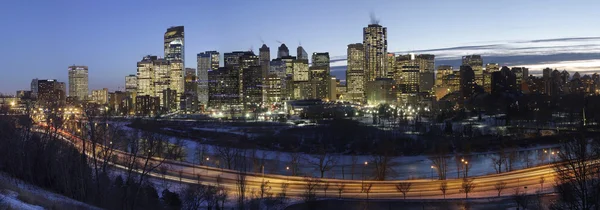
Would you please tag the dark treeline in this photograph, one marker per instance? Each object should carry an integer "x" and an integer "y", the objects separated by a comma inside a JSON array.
[{"x": 44, "y": 160}]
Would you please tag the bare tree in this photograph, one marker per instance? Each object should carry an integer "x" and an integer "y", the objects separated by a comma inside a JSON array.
[
  {"x": 521, "y": 199},
  {"x": 440, "y": 164},
  {"x": 193, "y": 196},
  {"x": 542, "y": 180},
  {"x": 404, "y": 188},
  {"x": 444, "y": 188},
  {"x": 439, "y": 159},
  {"x": 264, "y": 188},
  {"x": 222, "y": 195},
  {"x": 366, "y": 188},
  {"x": 325, "y": 187},
  {"x": 241, "y": 182},
  {"x": 294, "y": 160},
  {"x": 467, "y": 187},
  {"x": 322, "y": 161},
  {"x": 200, "y": 154},
  {"x": 577, "y": 177},
  {"x": 500, "y": 186},
  {"x": 283, "y": 194},
  {"x": 382, "y": 160},
  {"x": 228, "y": 155},
  {"x": 498, "y": 160},
  {"x": 340, "y": 189},
  {"x": 310, "y": 188}
]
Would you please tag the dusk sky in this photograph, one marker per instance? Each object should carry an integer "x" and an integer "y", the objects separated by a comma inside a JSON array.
[{"x": 40, "y": 39}]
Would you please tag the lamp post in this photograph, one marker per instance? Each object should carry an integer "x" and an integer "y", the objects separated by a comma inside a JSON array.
[
  {"x": 363, "y": 171},
  {"x": 466, "y": 169},
  {"x": 207, "y": 159},
  {"x": 432, "y": 172}
]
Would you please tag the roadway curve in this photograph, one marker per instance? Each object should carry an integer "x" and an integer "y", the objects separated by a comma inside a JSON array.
[{"x": 527, "y": 180}]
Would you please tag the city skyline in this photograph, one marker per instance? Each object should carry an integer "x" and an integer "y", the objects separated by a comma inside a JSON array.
[{"x": 513, "y": 36}]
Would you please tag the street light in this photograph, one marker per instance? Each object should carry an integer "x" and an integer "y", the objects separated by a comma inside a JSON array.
[
  {"x": 432, "y": 172},
  {"x": 466, "y": 169}
]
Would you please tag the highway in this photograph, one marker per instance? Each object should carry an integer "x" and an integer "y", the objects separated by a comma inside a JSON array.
[{"x": 526, "y": 180}]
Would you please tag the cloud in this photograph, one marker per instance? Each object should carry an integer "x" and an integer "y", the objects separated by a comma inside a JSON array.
[{"x": 564, "y": 39}]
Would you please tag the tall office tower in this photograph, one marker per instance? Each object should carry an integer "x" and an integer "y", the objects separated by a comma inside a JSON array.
[
  {"x": 191, "y": 81},
  {"x": 264, "y": 55},
  {"x": 283, "y": 51},
  {"x": 521, "y": 74},
  {"x": 390, "y": 60},
  {"x": 233, "y": 58},
  {"x": 246, "y": 60},
  {"x": 162, "y": 79},
  {"x": 300, "y": 80},
  {"x": 476, "y": 64},
  {"x": 375, "y": 46},
  {"x": 223, "y": 87},
  {"x": 547, "y": 72},
  {"x": 442, "y": 71},
  {"x": 301, "y": 53},
  {"x": 504, "y": 80},
  {"x": 319, "y": 76},
  {"x": 156, "y": 75},
  {"x": 426, "y": 64},
  {"x": 50, "y": 93},
  {"x": 467, "y": 81},
  {"x": 177, "y": 79},
  {"x": 333, "y": 82},
  {"x": 174, "y": 44},
  {"x": 34, "y": 88},
  {"x": 410, "y": 79},
  {"x": 355, "y": 73},
  {"x": 565, "y": 76},
  {"x": 492, "y": 67},
  {"x": 145, "y": 76},
  {"x": 300, "y": 71},
  {"x": 207, "y": 61},
  {"x": 131, "y": 83},
  {"x": 252, "y": 89},
  {"x": 100, "y": 96},
  {"x": 78, "y": 82}
]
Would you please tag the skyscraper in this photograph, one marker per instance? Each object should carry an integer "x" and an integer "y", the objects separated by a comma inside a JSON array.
[
  {"x": 51, "y": 93},
  {"x": 283, "y": 51},
  {"x": 442, "y": 71},
  {"x": 130, "y": 83},
  {"x": 476, "y": 64},
  {"x": 145, "y": 76},
  {"x": 467, "y": 81},
  {"x": 301, "y": 53},
  {"x": 190, "y": 78},
  {"x": 375, "y": 46},
  {"x": 264, "y": 55},
  {"x": 319, "y": 76},
  {"x": 100, "y": 96},
  {"x": 34, "y": 88},
  {"x": 78, "y": 82},
  {"x": 207, "y": 61},
  {"x": 157, "y": 75},
  {"x": 426, "y": 64},
  {"x": 174, "y": 44},
  {"x": 355, "y": 73},
  {"x": 177, "y": 79}
]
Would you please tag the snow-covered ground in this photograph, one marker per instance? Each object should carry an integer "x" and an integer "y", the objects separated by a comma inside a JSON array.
[
  {"x": 16, "y": 194},
  {"x": 404, "y": 167}
]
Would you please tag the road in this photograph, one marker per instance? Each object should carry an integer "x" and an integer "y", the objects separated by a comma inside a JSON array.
[{"x": 526, "y": 180}]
